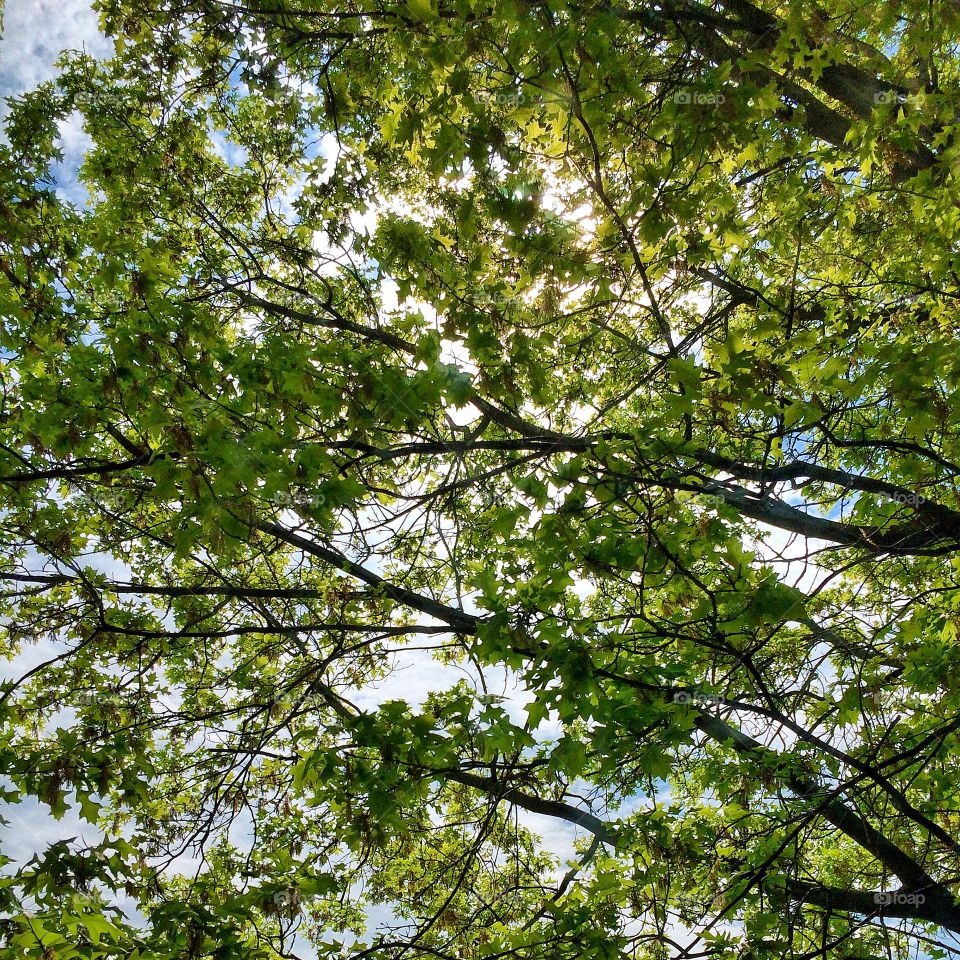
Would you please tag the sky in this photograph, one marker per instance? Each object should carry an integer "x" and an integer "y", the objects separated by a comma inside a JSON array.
[{"x": 35, "y": 33}]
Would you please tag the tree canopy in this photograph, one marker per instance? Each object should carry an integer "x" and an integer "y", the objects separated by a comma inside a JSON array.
[{"x": 604, "y": 350}]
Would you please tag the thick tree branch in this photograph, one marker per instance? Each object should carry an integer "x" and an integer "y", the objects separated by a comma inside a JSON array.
[
  {"x": 501, "y": 790},
  {"x": 458, "y": 619},
  {"x": 901, "y": 864},
  {"x": 905, "y": 904}
]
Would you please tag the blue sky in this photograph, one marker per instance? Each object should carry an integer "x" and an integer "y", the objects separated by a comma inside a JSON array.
[{"x": 35, "y": 33}]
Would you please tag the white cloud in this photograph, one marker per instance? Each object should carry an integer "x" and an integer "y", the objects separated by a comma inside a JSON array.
[{"x": 36, "y": 32}]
